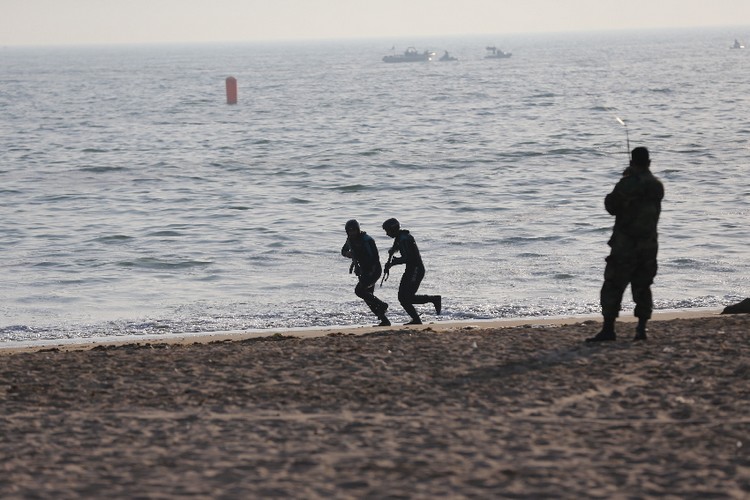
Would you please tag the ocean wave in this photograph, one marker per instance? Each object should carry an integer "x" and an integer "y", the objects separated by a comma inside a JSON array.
[
  {"x": 352, "y": 188},
  {"x": 115, "y": 238},
  {"x": 162, "y": 264},
  {"x": 164, "y": 234},
  {"x": 102, "y": 169}
]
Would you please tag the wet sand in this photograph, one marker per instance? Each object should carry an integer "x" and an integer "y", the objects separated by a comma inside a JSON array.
[{"x": 457, "y": 411}]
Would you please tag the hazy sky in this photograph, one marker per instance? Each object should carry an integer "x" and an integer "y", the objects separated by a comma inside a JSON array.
[{"x": 50, "y": 22}]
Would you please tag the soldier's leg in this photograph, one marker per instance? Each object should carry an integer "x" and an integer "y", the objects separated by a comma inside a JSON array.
[
  {"x": 616, "y": 277},
  {"x": 365, "y": 290},
  {"x": 643, "y": 278},
  {"x": 406, "y": 292},
  {"x": 436, "y": 300}
]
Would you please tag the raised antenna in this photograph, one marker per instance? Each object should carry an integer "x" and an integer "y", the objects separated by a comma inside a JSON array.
[{"x": 627, "y": 137}]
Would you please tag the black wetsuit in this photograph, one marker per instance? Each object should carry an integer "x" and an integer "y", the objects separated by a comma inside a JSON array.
[
  {"x": 405, "y": 244},
  {"x": 364, "y": 254}
]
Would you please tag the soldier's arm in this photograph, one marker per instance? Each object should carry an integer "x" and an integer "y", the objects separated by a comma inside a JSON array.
[
  {"x": 372, "y": 250},
  {"x": 410, "y": 251},
  {"x": 400, "y": 259},
  {"x": 614, "y": 201},
  {"x": 346, "y": 250}
]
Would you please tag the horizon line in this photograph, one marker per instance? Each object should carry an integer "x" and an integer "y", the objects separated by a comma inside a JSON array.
[{"x": 364, "y": 38}]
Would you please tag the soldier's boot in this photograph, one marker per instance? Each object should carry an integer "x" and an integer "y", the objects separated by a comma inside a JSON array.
[
  {"x": 382, "y": 317},
  {"x": 607, "y": 333},
  {"x": 640, "y": 330},
  {"x": 437, "y": 301}
]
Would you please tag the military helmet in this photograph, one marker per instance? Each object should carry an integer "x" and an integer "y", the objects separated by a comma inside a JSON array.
[{"x": 391, "y": 225}]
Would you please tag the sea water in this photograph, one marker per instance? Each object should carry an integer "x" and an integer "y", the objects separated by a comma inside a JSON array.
[{"x": 136, "y": 201}]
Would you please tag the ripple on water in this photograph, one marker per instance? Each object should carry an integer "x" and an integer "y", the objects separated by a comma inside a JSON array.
[{"x": 162, "y": 264}]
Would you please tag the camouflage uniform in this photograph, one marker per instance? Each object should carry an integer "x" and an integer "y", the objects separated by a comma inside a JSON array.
[{"x": 636, "y": 204}]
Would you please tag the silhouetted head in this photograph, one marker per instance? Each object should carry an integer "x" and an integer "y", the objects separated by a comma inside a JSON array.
[
  {"x": 352, "y": 228},
  {"x": 639, "y": 157},
  {"x": 391, "y": 227}
]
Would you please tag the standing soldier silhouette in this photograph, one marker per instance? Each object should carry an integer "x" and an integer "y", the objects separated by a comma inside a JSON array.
[
  {"x": 636, "y": 204},
  {"x": 404, "y": 244},
  {"x": 361, "y": 248}
]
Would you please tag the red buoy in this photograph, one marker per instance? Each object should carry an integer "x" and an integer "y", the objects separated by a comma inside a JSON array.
[{"x": 231, "y": 90}]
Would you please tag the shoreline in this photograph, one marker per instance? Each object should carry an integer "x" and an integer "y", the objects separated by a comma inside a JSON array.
[
  {"x": 522, "y": 411},
  {"x": 13, "y": 347}
]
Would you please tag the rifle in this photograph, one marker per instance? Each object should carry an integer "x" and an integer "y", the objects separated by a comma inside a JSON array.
[{"x": 387, "y": 271}]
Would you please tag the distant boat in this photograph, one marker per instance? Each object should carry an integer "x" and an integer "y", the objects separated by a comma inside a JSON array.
[
  {"x": 737, "y": 45},
  {"x": 495, "y": 53},
  {"x": 447, "y": 57},
  {"x": 410, "y": 55}
]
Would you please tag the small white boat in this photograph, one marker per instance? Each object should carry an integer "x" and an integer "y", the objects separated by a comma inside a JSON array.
[
  {"x": 737, "y": 45},
  {"x": 410, "y": 55}
]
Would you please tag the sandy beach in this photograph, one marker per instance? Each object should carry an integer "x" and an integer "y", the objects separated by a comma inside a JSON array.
[{"x": 452, "y": 411}]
